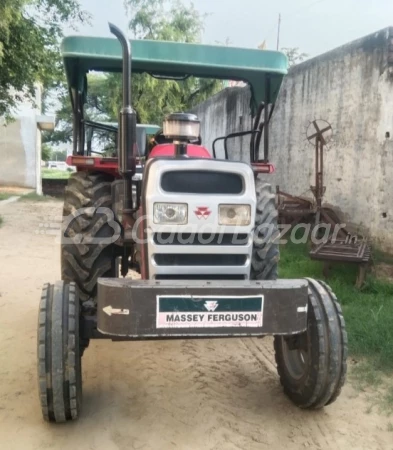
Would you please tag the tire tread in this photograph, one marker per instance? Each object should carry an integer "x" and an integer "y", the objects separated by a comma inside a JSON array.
[
  {"x": 59, "y": 378},
  {"x": 331, "y": 340},
  {"x": 80, "y": 262},
  {"x": 265, "y": 253}
]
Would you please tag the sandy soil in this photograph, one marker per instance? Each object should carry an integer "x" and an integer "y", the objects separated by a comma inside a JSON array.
[
  {"x": 15, "y": 190},
  {"x": 206, "y": 394}
]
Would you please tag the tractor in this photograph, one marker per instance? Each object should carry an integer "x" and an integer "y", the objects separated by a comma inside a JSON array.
[{"x": 201, "y": 231}]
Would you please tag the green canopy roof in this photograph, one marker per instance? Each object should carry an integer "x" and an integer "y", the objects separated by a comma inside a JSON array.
[{"x": 173, "y": 59}]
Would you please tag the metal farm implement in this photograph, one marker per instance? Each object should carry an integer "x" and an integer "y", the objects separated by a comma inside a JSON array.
[{"x": 340, "y": 245}]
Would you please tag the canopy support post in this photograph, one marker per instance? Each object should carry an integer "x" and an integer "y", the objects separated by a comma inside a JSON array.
[{"x": 266, "y": 121}]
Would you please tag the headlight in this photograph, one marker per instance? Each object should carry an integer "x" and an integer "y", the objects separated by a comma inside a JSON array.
[
  {"x": 170, "y": 213},
  {"x": 234, "y": 214}
]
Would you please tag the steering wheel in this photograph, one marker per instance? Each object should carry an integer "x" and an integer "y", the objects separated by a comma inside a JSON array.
[{"x": 159, "y": 138}]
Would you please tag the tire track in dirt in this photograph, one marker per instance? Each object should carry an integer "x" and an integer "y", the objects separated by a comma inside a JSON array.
[
  {"x": 318, "y": 429},
  {"x": 263, "y": 351}
]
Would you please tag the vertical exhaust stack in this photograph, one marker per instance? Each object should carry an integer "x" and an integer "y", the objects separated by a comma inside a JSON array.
[{"x": 127, "y": 125}]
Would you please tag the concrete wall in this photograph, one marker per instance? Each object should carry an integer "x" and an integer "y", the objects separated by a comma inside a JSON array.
[
  {"x": 20, "y": 143},
  {"x": 226, "y": 112},
  {"x": 352, "y": 88}
]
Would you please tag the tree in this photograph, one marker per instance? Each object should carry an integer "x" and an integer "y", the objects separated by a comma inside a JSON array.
[
  {"x": 59, "y": 155},
  {"x": 102, "y": 104},
  {"x": 167, "y": 20},
  {"x": 46, "y": 152},
  {"x": 152, "y": 98},
  {"x": 294, "y": 56},
  {"x": 30, "y": 31}
]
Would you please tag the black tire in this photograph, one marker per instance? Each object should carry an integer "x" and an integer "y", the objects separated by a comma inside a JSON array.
[
  {"x": 59, "y": 361},
  {"x": 265, "y": 253},
  {"x": 81, "y": 261},
  {"x": 312, "y": 366}
]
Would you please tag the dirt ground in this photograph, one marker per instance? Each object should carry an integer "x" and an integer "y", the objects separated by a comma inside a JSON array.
[
  {"x": 205, "y": 394},
  {"x": 15, "y": 190}
]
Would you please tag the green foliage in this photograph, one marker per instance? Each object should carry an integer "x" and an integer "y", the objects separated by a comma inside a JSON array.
[
  {"x": 170, "y": 20},
  {"x": 102, "y": 104},
  {"x": 58, "y": 155},
  {"x": 167, "y": 20},
  {"x": 294, "y": 55},
  {"x": 34, "y": 197},
  {"x": 368, "y": 312},
  {"x": 54, "y": 174},
  {"x": 30, "y": 31},
  {"x": 50, "y": 154},
  {"x": 46, "y": 152},
  {"x": 63, "y": 127}
]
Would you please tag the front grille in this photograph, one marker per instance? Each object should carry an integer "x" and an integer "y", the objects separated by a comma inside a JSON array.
[
  {"x": 200, "y": 277},
  {"x": 200, "y": 239},
  {"x": 179, "y": 259},
  {"x": 202, "y": 182},
  {"x": 195, "y": 251}
]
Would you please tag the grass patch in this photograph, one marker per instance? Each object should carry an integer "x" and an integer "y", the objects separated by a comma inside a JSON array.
[
  {"x": 387, "y": 401},
  {"x": 5, "y": 195},
  {"x": 364, "y": 375},
  {"x": 380, "y": 256},
  {"x": 34, "y": 197},
  {"x": 377, "y": 386},
  {"x": 55, "y": 174},
  {"x": 1, "y": 221},
  {"x": 368, "y": 312}
]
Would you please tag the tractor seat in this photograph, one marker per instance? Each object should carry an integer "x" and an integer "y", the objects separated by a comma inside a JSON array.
[{"x": 193, "y": 151}]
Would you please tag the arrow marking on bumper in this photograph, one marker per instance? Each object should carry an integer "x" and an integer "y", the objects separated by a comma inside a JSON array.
[{"x": 122, "y": 312}]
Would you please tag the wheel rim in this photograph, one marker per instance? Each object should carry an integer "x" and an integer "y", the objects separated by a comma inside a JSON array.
[{"x": 297, "y": 360}]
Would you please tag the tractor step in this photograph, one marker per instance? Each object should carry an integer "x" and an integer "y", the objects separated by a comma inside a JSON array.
[{"x": 136, "y": 309}]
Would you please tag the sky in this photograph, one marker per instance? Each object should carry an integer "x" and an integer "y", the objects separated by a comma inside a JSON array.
[{"x": 314, "y": 26}]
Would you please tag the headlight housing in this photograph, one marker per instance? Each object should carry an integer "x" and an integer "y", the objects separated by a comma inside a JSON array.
[
  {"x": 170, "y": 213},
  {"x": 181, "y": 126},
  {"x": 235, "y": 215}
]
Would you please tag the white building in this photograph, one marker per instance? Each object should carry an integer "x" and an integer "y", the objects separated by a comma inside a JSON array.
[{"x": 20, "y": 145}]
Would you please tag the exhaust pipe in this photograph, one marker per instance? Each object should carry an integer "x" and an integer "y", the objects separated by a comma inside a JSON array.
[{"x": 127, "y": 125}]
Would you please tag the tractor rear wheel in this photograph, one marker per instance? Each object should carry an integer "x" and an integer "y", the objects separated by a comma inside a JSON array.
[
  {"x": 59, "y": 360},
  {"x": 89, "y": 231},
  {"x": 312, "y": 366},
  {"x": 265, "y": 253}
]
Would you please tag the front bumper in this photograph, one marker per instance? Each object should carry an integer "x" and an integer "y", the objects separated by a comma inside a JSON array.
[{"x": 136, "y": 309}]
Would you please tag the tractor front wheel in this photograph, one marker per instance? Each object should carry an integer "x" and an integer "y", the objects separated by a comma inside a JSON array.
[
  {"x": 312, "y": 365},
  {"x": 59, "y": 360}
]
